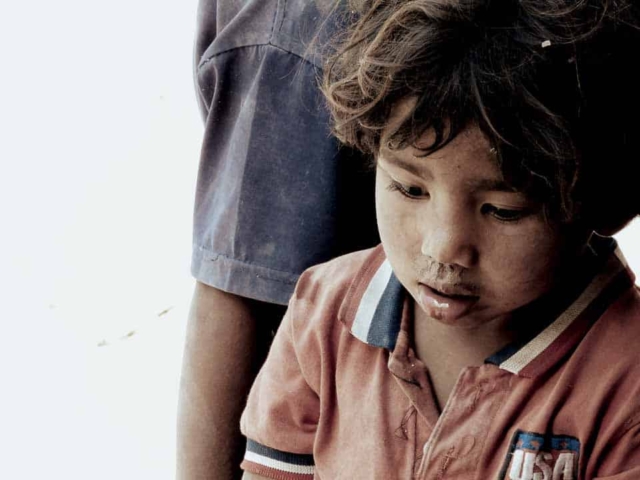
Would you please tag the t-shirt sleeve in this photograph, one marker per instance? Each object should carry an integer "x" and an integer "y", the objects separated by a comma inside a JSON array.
[
  {"x": 282, "y": 412},
  {"x": 275, "y": 193}
]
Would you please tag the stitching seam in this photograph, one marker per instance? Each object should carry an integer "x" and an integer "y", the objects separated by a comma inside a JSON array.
[
  {"x": 204, "y": 62},
  {"x": 215, "y": 257}
]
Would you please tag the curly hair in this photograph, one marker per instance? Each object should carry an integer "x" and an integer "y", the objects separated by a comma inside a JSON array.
[{"x": 552, "y": 84}]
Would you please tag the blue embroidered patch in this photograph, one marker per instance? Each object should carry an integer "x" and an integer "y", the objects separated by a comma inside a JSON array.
[{"x": 536, "y": 456}]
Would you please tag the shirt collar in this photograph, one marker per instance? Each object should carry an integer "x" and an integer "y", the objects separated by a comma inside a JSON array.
[
  {"x": 373, "y": 310},
  {"x": 374, "y": 303}
]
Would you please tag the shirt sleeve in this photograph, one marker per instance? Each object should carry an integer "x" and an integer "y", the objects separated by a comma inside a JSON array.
[
  {"x": 282, "y": 412},
  {"x": 275, "y": 193}
]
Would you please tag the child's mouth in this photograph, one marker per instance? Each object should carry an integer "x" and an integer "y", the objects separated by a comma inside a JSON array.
[
  {"x": 450, "y": 295},
  {"x": 447, "y": 307}
]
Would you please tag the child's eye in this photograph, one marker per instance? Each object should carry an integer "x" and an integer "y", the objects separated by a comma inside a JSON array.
[
  {"x": 407, "y": 190},
  {"x": 504, "y": 214}
]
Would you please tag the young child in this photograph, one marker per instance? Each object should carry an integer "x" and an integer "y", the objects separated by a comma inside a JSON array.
[{"x": 494, "y": 334}]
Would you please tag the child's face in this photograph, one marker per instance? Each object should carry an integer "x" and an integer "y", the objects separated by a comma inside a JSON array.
[{"x": 467, "y": 249}]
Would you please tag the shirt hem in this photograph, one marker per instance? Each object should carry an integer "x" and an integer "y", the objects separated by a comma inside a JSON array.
[{"x": 242, "y": 278}]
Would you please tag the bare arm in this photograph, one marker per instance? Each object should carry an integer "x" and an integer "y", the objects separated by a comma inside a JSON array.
[{"x": 226, "y": 342}]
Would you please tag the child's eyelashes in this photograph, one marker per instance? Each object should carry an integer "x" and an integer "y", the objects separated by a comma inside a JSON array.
[
  {"x": 407, "y": 190},
  {"x": 505, "y": 214}
]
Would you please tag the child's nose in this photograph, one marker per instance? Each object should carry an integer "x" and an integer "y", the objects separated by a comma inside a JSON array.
[{"x": 449, "y": 239}]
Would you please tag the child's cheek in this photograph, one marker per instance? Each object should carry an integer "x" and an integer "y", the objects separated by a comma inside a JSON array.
[{"x": 526, "y": 260}]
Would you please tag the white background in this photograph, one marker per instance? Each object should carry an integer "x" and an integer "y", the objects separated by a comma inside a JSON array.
[
  {"x": 99, "y": 146},
  {"x": 99, "y": 143}
]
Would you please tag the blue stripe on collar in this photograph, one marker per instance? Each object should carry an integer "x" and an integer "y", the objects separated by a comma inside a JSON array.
[
  {"x": 378, "y": 317},
  {"x": 581, "y": 309},
  {"x": 385, "y": 324}
]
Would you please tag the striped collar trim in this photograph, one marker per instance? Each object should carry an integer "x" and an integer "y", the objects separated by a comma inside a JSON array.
[
  {"x": 374, "y": 304},
  {"x": 555, "y": 341}
]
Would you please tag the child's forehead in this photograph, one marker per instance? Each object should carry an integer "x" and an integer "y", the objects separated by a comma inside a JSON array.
[{"x": 468, "y": 152}]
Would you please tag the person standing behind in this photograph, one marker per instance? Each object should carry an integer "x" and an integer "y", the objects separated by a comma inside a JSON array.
[{"x": 275, "y": 195}]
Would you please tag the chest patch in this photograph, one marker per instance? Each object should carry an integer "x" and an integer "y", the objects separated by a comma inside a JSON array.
[{"x": 535, "y": 456}]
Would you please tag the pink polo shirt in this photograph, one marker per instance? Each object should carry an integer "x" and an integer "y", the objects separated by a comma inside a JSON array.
[{"x": 342, "y": 395}]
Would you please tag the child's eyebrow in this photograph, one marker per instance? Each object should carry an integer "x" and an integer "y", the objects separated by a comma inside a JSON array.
[
  {"x": 490, "y": 185},
  {"x": 411, "y": 167},
  {"x": 479, "y": 185}
]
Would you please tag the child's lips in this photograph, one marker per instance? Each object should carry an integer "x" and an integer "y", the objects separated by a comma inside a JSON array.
[{"x": 448, "y": 305}]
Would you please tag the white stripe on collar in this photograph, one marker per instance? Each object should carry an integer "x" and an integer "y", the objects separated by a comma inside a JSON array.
[
  {"x": 523, "y": 357},
  {"x": 370, "y": 300}
]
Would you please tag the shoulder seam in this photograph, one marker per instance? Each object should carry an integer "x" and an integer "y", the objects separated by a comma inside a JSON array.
[{"x": 206, "y": 61}]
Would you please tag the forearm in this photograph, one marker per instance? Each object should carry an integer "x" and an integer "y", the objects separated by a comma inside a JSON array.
[{"x": 225, "y": 345}]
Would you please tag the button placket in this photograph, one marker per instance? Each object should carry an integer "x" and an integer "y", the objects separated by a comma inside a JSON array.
[
  {"x": 455, "y": 453},
  {"x": 471, "y": 407},
  {"x": 442, "y": 420}
]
